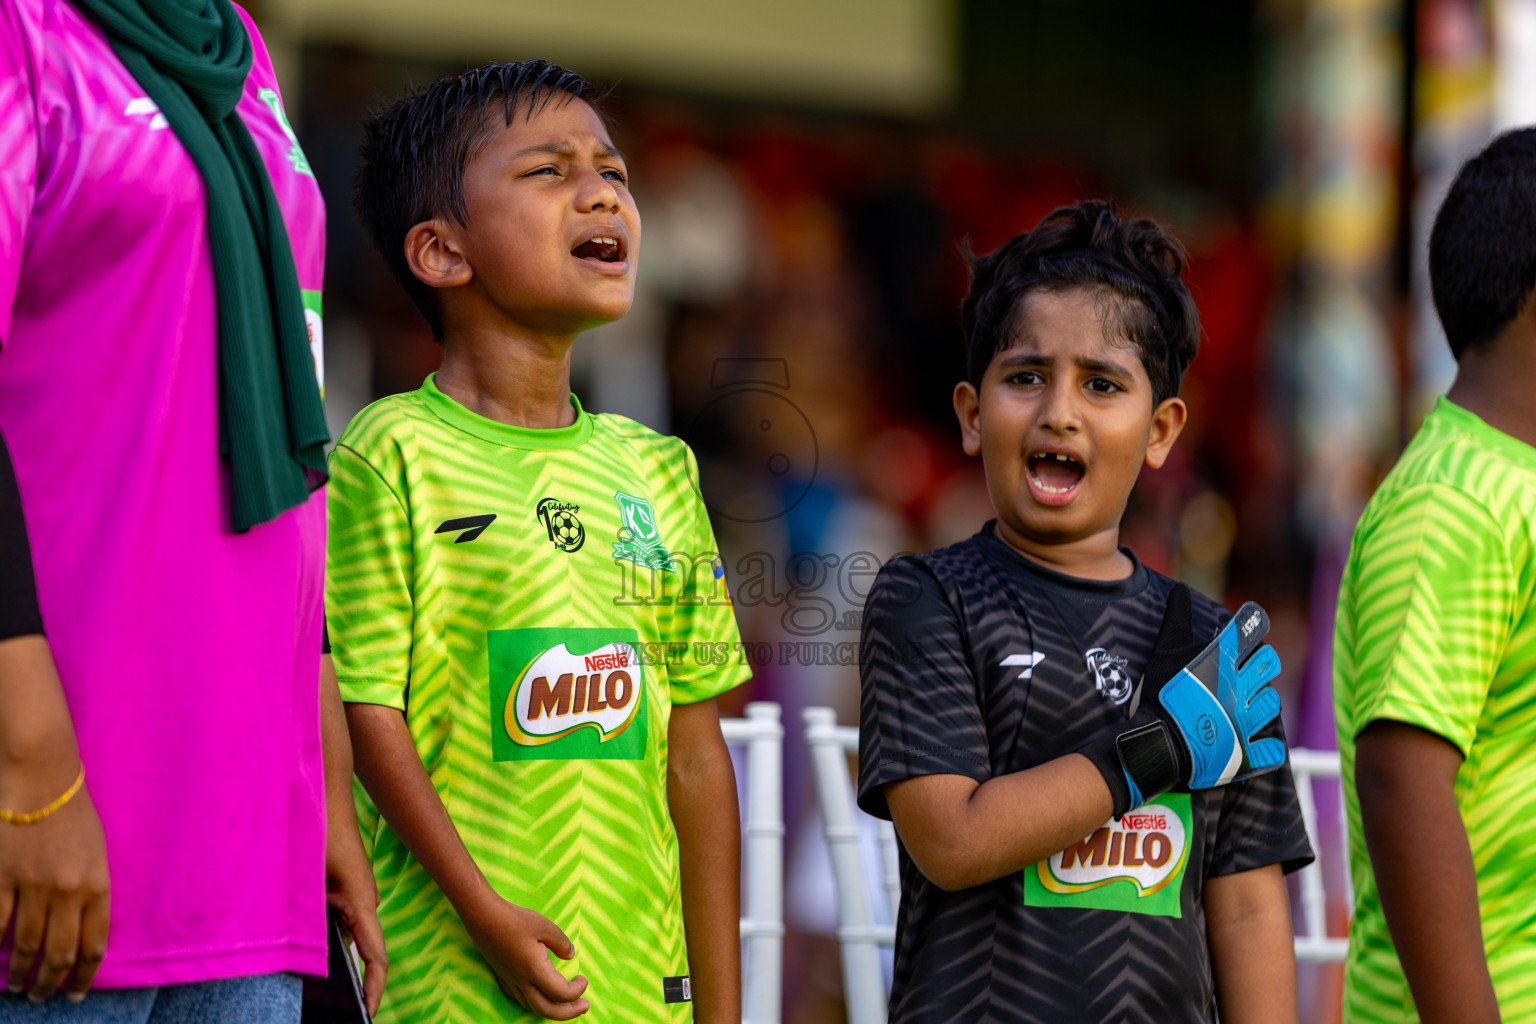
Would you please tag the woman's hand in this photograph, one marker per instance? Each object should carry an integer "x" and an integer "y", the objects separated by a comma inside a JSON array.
[{"x": 53, "y": 872}]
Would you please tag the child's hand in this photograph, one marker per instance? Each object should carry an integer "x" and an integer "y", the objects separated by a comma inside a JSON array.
[
  {"x": 516, "y": 942},
  {"x": 1216, "y": 695},
  {"x": 1198, "y": 713}
]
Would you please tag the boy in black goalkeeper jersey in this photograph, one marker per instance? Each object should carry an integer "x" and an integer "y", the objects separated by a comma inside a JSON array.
[{"x": 1083, "y": 760}]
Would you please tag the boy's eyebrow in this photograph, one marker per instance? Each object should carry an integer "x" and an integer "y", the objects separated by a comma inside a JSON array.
[
  {"x": 1108, "y": 366},
  {"x": 566, "y": 149}
]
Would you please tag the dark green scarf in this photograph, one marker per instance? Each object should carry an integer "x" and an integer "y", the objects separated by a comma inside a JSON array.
[{"x": 192, "y": 58}]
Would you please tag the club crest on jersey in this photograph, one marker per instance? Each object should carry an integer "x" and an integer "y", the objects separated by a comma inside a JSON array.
[
  {"x": 295, "y": 153},
  {"x": 639, "y": 538},
  {"x": 560, "y": 522},
  {"x": 1109, "y": 675},
  {"x": 1133, "y": 864},
  {"x": 564, "y": 694}
]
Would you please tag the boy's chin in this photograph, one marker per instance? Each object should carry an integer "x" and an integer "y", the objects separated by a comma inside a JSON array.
[
  {"x": 589, "y": 316},
  {"x": 607, "y": 309},
  {"x": 1047, "y": 527},
  {"x": 602, "y": 320}
]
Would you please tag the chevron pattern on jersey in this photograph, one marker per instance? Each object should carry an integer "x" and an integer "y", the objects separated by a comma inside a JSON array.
[
  {"x": 587, "y": 843},
  {"x": 937, "y": 697},
  {"x": 1436, "y": 627}
]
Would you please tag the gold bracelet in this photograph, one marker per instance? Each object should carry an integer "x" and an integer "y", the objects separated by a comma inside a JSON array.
[{"x": 31, "y": 817}]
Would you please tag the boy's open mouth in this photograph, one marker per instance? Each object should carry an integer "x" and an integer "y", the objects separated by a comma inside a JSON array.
[
  {"x": 602, "y": 248},
  {"x": 1055, "y": 473}
]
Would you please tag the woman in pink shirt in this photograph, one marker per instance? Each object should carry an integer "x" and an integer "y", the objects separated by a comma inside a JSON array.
[{"x": 168, "y": 750}]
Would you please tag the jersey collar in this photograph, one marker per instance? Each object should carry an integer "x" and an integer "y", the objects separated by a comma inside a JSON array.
[
  {"x": 1098, "y": 590},
  {"x": 1468, "y": 422},
  {"x": 557, "y": 439}
]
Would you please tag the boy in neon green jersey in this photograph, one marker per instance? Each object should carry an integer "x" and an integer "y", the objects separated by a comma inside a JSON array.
[
  {"x": 518, "y": 590},
  {"x": 1435, "y": 648}
]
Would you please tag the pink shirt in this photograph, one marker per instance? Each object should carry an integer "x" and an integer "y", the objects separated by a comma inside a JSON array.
[{"x": 189, "y": 654}]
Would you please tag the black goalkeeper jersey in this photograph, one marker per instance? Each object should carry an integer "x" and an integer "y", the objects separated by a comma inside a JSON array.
[{"x": 978, "y": 662}]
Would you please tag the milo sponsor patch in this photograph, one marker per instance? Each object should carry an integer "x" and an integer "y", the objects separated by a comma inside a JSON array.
[
  {"x": 562, "y": 694},
  {"x": 1134, "y": 865}
]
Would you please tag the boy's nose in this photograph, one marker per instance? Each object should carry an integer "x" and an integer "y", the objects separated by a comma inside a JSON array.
[
  {"x": 1059, "y": 410},
  {"x": 600, "y": 194}
]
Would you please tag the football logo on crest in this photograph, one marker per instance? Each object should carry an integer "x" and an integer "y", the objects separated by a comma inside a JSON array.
[
  {"x": 1109, "y": 675},
  {"x": 559, "y": 519}
]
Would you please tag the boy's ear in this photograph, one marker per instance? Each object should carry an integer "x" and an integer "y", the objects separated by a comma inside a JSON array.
[
  {"x": 968, "y": 412},
  {"x": 433, "y": 255},
  {"x": 1167, "y": 423}
]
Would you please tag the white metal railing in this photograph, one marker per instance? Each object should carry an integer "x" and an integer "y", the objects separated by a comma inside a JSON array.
[
  {"x": 762, "y": 862},
  {"x": 1316, "y": 945},
  {"x": 858, "y": 936}
]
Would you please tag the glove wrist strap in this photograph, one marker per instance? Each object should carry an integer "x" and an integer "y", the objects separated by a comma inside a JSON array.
[
  {"x": 1137, "y": 759},
  {"x": 1149, "y": 758}
]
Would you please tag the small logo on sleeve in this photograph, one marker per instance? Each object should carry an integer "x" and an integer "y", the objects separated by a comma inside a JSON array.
[
  {"x": 717, "y": 569},
  {"x": 314, "y": 323},
  {"x": 676, "y": 990},
  {"x": 296, "y": 155}
]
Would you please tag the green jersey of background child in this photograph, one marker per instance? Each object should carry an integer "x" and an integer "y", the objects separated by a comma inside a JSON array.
[
  {"x": 501, "y": 204},
  {"x": 1435, "y": 641},
  {"x": 1078, "y": 332}
]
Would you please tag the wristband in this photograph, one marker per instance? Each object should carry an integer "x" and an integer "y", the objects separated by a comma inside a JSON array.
[
  {"x": 1149, "y": 759},
  {"x": 32, "y": 817},
  {"x": 1137, "y": 759}
]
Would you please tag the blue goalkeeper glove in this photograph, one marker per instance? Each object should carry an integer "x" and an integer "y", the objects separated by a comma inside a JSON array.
[{"x": 1208, "y": 704}]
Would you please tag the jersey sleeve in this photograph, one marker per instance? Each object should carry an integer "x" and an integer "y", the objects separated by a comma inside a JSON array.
[
  {"x": 702, "y": 616},
  {"x": 18, "y": 153},
  {"x": 919, "y": 713},
  {"x": 369, "y": 607},
  {"x": 1434, "y": 594},
  {"x": 1261, "y": 824}
]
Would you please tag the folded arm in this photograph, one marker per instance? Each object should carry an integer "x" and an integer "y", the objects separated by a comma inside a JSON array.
[{"x": 962, "y": 833}]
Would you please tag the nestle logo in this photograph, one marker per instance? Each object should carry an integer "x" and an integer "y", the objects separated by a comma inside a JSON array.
[
  {"x": 606, "y": 662},
  {"x": 1144, "y": 822}
]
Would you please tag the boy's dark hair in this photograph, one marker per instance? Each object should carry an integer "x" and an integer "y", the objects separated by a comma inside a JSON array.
[
  {"x": 1482, "y": 250},
  {"x": 1088, "y": 245},
  {"x": 415, "y": 151}
]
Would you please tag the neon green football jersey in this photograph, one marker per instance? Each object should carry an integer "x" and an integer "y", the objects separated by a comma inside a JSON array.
[
  {"x": 535, "y": 602},
  {"x": 1437, "y": 628}
]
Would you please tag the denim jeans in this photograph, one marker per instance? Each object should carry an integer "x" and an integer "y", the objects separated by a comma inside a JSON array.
[{"x": 264, "y": 999}]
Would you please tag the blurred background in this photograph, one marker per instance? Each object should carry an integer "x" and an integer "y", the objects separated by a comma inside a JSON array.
[{"x": 808, "y": 172}]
